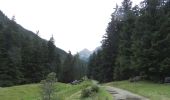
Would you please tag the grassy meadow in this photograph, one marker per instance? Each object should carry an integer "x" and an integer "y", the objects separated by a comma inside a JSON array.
[
  {"x": 62, "y": 92},
  {"x": 101, "y": 95},
  {"x": 150, "y": 90}
]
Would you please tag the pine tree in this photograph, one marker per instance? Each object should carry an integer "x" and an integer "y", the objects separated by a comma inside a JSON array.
[
  {"x": 123, "y": 61},
  {"x": 67, "y": 74},
  {"x": 53, "y": 57},
  {"x": 80, "y": 67},
  {"x": 110, "y": 46},
  {"x": 10, "y": 61}
]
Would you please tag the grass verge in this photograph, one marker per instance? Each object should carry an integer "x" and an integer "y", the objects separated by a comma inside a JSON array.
[
  {"x": 101, "y": 95},
  {"x": 150, "y": 90},
  {"x": 62, "y": 92}
]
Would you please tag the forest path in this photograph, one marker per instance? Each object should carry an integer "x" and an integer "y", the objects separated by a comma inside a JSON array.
[{"x": 120, "y": 94}]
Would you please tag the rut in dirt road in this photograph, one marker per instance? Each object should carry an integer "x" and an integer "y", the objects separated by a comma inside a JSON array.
[{"x": 120, "y": 94}]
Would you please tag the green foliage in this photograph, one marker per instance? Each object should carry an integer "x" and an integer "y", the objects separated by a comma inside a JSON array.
[
  {"x": 84, "y": 78},
  {"x": 68, "y": 69},
  {"x": 86, "y": 93},
  {"x": 80, "y": 68},
  {"x": 136, "y": 43},
  {"x": 95, "y": 88},
  {"x": 72, "y": 69},
  {"x": 51, "y": 78},
  {"x": 47, "y": 86},
  {"x": 24, "y": 56}
]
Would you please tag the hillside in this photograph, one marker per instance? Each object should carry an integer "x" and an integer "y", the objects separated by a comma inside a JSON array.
[
  {"x": 24, "y": 56},
  {"x": 4, "y": 21}
]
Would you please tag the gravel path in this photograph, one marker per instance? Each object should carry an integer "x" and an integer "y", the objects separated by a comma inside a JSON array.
[{"x": 120, "y": 94}]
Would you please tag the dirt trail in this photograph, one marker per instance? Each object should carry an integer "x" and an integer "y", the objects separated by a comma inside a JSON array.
[{"x": 120, "y": 94}]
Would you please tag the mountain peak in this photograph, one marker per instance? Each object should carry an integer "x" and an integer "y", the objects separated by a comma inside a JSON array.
[
  {"x": 85, "y": 54},
  {"x": 85, "y": 50}
]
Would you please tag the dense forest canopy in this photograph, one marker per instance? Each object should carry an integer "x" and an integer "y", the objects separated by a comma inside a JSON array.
[
  {"x": 136, "y": 43},
  {"x": 26, "y": 58}
]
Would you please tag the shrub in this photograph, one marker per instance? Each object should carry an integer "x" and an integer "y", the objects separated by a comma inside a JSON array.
[
  {"x": 86, "y": 92},
  {"x": 47, "y": 86},
  {"x": 85, "y": 78},
  {"x": 95, "y": 88}
]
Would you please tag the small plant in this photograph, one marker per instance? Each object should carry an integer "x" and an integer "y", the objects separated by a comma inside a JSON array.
[
  {"x": 47, "y": 86},
  {"x": 86, "y": 92},
  {"x": 85, "y": 78},
  {"x": 95, "y": 88},
  {"x": 90, "y": 91}
]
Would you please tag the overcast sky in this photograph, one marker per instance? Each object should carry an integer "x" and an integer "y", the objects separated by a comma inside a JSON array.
[{"x": 75, "y": 24}]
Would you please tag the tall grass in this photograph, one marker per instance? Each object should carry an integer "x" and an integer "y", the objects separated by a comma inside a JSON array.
[{"x": 23, "y": 92}]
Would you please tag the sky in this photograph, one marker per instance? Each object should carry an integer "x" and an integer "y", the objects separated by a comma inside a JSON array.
[{"x": 74, "y": 24}]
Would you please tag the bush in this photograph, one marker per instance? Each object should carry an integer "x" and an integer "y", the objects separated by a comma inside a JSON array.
[
  {"x": 95, "y": 88},
  {"x": 86, "y": 92},
  {"x": 90, "y": 91},
  {"x": 47, "y": 86},
  {"x": 85, "y": 78}
]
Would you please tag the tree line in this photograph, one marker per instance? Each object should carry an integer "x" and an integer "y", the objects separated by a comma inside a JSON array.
[
  {"x": 136, "y": 43},
  {"x": 26, "y": 58}
]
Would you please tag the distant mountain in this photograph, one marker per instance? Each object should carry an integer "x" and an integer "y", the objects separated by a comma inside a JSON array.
[{"x": 85, "y": 54}]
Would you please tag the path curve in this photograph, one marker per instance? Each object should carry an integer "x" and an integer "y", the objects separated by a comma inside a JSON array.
[{"x": 120, "y": 94}]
